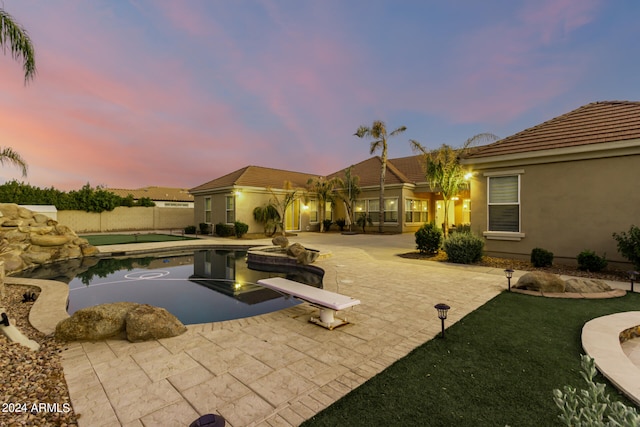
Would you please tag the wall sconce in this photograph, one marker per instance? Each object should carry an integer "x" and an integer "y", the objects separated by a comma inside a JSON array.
[
  {"x": 508, "y": 274},
  {"x": 468, "y": 176},
  {"x": 237, "y": 192},
  {"x": 633, "y": 275},
  {"x": 442, "y": 314}
]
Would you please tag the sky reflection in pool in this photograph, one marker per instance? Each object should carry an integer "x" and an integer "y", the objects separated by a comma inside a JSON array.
[{"x": 206, "y": 286}]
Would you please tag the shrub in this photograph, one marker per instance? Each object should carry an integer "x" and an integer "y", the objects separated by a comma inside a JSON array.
[
  {"x": 240, "y": 228},
  {"x": 428, "y": 238},
  {"x": 591, "y": 406},
  {"x": 224, "y": 230},
  {"x": 541, "y": 257},
  {"x": 588, "y": 260},
  {"x": 327, "y": 224},
  {"x": 190, "y": 229},
  {"x": 362, "y": 221},
  {"x": 629, "y": 245},
  {"x": 204, "y": 228},
  {"x": 341, "y": 222},
  {"x": 464, "y": 248}
]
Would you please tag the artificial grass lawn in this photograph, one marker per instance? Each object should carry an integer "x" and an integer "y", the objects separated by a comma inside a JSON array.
[
  {"x": 117, "y": 239},
  {"x": 497, "y": 366}
]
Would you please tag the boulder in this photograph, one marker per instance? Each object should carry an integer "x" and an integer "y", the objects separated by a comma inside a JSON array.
[
  {"x": 584, "y": 285},
  {"x": 95, "y": 323},
  {"x": 281, "y": 241},
  {"x": 146, "y": 322},
  {"x": 541, "y": 281},
  {"x": 302, "y": 254},
  {"x": 48, "y": 239}
]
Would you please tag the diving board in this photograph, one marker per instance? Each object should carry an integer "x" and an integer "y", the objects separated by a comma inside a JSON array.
[{"x": 328, "y": 302}]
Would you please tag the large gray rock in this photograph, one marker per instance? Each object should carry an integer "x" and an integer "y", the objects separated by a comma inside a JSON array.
[
  {"x": 146, "y": 322},
  {"x": 302, "y": 254},
  {"x": 583, "y": 285},
  {"x": 281, "y": 241},
  {"x": 94, "y": 323},
  {"x": 541, "y": 281}
]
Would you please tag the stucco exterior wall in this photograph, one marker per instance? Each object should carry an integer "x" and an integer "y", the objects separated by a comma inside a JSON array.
[
  {"x": 126, "y": 219},
  {"x": 567, "y": 207}
]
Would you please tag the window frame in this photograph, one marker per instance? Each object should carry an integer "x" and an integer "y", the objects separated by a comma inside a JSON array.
[
  {"x": 499, "y": 234},
  {"x": 231, "y": 211}
]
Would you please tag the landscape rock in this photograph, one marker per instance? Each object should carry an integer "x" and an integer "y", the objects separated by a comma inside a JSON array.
[
  {"x": 281, "y": 241},
  {"x": 584, "y": 285},
  {"x": 541, "y": 281},
  {"x": 302, "y": 254},
  {"x": 146, "y": 322},
  {"x": 94, "y": 323}
]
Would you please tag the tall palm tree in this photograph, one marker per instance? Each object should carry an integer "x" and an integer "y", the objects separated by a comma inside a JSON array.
[
  {"x": 349, "y": 192},
  {"x": 444, "y": 171},
  {"x": 15, "y": 37},
  {"x": 323, "y": 189},
  {"x": 378, "y": 132},
  {"x": 8, "y": 155}
]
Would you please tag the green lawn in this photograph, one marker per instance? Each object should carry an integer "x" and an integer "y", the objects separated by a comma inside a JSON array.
[
  {"x": 497, "y": 366},
  {"x": 117, "y": 239}
]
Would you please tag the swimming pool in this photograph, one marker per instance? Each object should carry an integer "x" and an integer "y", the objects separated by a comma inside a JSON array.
[{"x": 199, "y": 287}]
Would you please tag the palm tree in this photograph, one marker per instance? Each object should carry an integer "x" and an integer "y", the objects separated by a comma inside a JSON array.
[
  {"x": 323, "y": 188},
  {"x": 378, "y": 132},
  {"x": 349, "y": 192},
  {"x": 282, "y": 204},
  {"x": 17, "y": 39},
  {"x": 8, "y": 155},
  {"x": 444, "y": 171}
]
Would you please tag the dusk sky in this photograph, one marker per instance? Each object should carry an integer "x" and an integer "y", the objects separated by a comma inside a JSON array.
[{"x": 176, "y": 93}]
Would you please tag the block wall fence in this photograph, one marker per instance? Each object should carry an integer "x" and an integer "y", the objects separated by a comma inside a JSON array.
[{"x": 127, "y": 219}]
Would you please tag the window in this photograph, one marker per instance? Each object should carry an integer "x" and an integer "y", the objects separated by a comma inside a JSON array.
[
  {"x": 207, "y": 210},
  {"x": 328, "y": 213},
  {"x": 390, "y": 210},
  {"x": 313, "y": 210},
  {"x": 416, "y": 210},
  {"x": 231, "y": 209},
  {"x": 372, "y": 208},
  {"x": 504, "y": 203}
]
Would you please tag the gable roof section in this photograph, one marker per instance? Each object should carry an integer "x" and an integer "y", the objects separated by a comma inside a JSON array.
[
  {"x": 369, "y": 171},
  {"x": 256, "y": 176},
  {"x": 594, "y": 123},
  {"x": 165, "y": 194}
]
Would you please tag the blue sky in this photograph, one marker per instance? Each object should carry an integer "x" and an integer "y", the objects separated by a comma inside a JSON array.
[{"x": 176, "y": 93}]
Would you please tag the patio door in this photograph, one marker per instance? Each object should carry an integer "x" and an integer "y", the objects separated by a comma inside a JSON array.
[
  {"x": 292, "y": 220},
  {"x": 440, "y": 213}
]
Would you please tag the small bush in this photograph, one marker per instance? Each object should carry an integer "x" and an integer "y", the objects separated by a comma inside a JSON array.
[
  {"x": 428, "y": 238},
  {"x": 240, "y": 228},
  {"x": 541, "y": 257},
  {"x": 224, "y": 230},
  {"x": 327, "y": 224},
  {"x": 629, "y": 245},
  {"x": 341, "y": 222},
  {"x": 190, "y": 229},
  {"x": 362, "y": 220},
  {"x": 204, "y": 228},
  {"x": 588, "y": 260},
  {"x": 464, "y": 248}
]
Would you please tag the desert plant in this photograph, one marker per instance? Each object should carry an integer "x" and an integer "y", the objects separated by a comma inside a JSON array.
[
  {"x": 463, "y": 248},
  {"x": 591, "y": 406},
  {"x": 341, "y": 222},
  {"x": 629, "y": 245},
  {"x": 541, "y": 257},
  {"x": 428, "y": 238},
  {"x": 224, "y": 230},
  {"x": 327, "y": 224},
  {"x": 204, "y": 228},
  {"x": 588, "y": 260},
  {"x": 362, "y": 221},
  {"x": 190, "y": 229},
  {"x": 268, "y": 216},
  {"x": 240, "y": 228}
]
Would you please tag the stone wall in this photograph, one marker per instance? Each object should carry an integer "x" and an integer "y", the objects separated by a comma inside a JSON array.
[
  {"x": 28, "y": 239},
  {"x": 126, "y": 219}
]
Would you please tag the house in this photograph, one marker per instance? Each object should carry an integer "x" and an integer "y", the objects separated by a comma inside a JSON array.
[
  {"x": 163, "y": 197},
  {"x": 564, "y": 185},
  {"x": 409, "y": 201}
]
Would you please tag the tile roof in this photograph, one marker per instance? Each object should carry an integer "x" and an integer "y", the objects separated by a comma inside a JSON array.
[
  {"x": 399, "y": 171},
  {"x": 164, "y": 194},
  {"x": 257, "y": 176},
  {"x": 597, "y": 122}
]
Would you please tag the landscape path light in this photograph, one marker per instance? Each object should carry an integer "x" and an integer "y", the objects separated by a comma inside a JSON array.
[
  {"x": 633, "y": 275},
  {"x": 442, "y": 314},
  {"x": 509, "y": 274}
]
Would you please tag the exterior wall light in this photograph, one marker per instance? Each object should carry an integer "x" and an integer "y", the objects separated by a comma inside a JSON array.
[
  {"x": 442, "y": 314},
  {"x": 508, "y": 274},
  {"x": 633, "y": 276}
]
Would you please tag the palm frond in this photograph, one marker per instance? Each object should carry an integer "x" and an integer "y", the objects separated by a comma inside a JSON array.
[
  {"x": 7, "y": 154},
  {"x": 19, "y": 43}
]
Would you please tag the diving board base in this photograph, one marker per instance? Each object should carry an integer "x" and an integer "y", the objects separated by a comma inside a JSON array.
[{"x": 328, "y": 319}]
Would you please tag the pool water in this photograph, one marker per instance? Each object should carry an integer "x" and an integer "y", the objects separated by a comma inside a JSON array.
[{"x": 200, "y": 287}]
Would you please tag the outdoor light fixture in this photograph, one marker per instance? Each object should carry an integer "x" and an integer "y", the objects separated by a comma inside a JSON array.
[
  {"x": 442, "y": 314},
  {"x": 633, "y": 275},
  {"x": 509, "y": 274}
]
